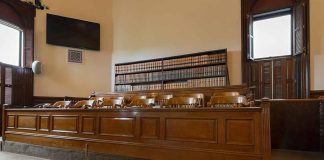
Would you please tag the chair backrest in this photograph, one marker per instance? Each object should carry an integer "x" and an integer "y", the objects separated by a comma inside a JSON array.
[
  {"x": 98, "y": 100},
  {"x": 152, "y": 95},
  {"x": 199, "y": 96},
  {"x": 147, "y": 103},
  {"x": 84, "y": 103},
  {"x": 162, "y": 100},
  {"x": 61, "y": 104},
  {"x": 226, "y": 94},
  {"x": 182, "y": 102},
  {"x": 228, "y": 101},
  {"x": 138, "y": 97},
  {"x": 111, "y": 103}
]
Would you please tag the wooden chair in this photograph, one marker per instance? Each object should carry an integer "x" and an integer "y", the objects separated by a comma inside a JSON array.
[
  {"x": 62, "y": 104},
  {"x": 111, "y": 103},
  {"x": 152, "y": 95},
  {"x": 182, "y": 102},
  {"x": 98, "y": 100},
  {"x": 162, "y": 100},
  {"x": 146, "y": 103},
  {"x": 226, "y": 94},
  {"x": 200, "y": 98},
  {"x": 138, "y": 97},
  {"x": 84, "y": 104},
  {"x": 122, "y": 98},
  {"x": 228, "y": 101}
]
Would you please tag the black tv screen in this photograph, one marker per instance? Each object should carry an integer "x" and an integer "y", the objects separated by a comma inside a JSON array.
[{"x": 73, "y": 33}]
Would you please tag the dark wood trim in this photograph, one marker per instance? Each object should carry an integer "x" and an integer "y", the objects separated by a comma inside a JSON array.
[{"x": 316, "y": 93}]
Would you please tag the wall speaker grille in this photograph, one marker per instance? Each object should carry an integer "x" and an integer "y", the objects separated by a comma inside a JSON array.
[{"x": 75, "y": 56}]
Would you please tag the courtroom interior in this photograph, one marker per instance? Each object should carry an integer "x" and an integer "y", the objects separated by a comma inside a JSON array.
[{"x": 162, "y": 80}]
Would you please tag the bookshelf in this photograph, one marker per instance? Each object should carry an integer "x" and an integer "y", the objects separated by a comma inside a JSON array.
[{"x": 196, "y": 70}]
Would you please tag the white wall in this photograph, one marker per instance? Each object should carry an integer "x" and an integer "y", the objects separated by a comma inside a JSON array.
[
  {"x": 60, "y": 78},
  {"x": 317, "y": 44},
  {"x": 145, "y": 29}
]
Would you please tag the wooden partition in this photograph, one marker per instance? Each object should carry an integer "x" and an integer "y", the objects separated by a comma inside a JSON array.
[
  {"x": 159, "y": 134},
  {"x": 297, "y": 124}
]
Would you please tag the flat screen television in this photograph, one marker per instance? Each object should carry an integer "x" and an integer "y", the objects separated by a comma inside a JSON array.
[{"x": 73, "y": 33}]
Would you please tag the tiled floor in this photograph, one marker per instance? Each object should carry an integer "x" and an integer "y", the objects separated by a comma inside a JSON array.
[
  {"x": 12, "y": 156},
  {"x": 276, "y": 155},
  {"x": 296, "y": 155}
]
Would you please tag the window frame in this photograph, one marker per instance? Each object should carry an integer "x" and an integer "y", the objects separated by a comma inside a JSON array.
[
  {"x": 269, "y": 15},
  {"x": 21, "y": 42}
]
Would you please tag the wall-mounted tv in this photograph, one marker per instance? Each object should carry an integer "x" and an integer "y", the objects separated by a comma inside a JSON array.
[{"x": 73, "y": 33}]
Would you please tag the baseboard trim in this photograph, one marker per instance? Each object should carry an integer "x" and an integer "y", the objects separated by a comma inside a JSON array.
[{"x": 57, "y": 153}]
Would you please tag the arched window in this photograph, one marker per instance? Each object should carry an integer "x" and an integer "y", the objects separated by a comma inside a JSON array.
[
  {"x": 16, "y": 52},
  {"x": 20, "y": 16},
  {"x": 11, "y": 40},
  {"x": 275, "y": 48}
]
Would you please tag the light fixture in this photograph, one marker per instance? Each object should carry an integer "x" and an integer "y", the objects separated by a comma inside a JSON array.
[{"x": 37, "y": 67}]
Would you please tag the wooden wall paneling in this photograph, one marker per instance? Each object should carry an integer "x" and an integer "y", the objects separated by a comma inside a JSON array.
[
  {"x": 27, "y": 122},
  {"x": 300, "y": 45},
  {"x": 322, "y": 126},
  {"x": 266, "y": 79},
  {"x": 191, "y": 129},
  {"x": 150, "y": 128},
  {"x": 295, "y": 125},
  {"x": 279, "y": 79},
  {"x": 65, "y": 123},
  {"x": 120, "y": 127},
  {"x": 266, "y": 129},
  {"x": 44, "y": 123},
  {"x": 88, "y": 125},
  {"x": 255, "y": 78},
  {"x": 291, "y": 79},
  {"x": 23, "y": 80},
  {"x": 246, "y": 134}
]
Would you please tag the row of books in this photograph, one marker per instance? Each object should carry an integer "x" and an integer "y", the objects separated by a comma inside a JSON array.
[
  {"x": 207, "y": 82},
  {"x": 171, "y": 63},
  {"x": 194, "y": 61},
  {"x": 195, "y": 72},
  {"x": 139, "y": 67},
  {"x": 173, "y": 75},
  {"x": 147, "y": 87},
  {"x": 129, "y": 88}
]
